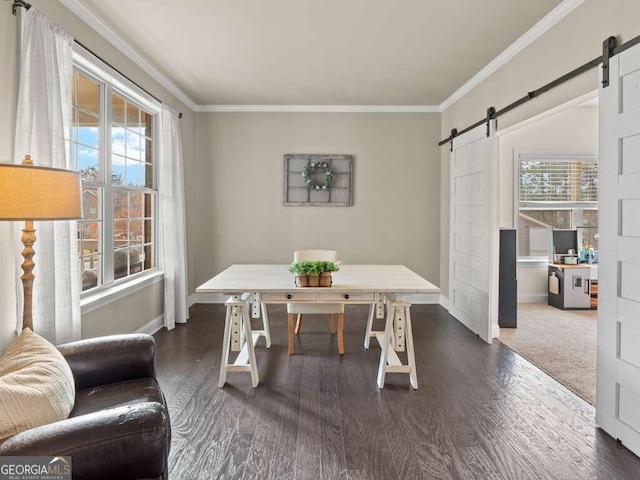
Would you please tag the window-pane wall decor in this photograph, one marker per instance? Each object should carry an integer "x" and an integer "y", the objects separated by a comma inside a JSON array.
[{"x": 318, "y": 180}]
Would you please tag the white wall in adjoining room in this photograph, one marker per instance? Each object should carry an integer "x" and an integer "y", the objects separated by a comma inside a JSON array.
[
  {"x": 572, "y": 130},
  {"x": 396, "y": 190}
]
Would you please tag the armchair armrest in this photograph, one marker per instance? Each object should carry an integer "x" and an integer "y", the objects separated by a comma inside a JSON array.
[
  {"x": 126, "y": 442},
  {"x": 104, "y": 360}
]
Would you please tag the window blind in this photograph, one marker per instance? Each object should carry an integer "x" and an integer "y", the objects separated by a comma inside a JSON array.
[{"x": 558, "y": 180}]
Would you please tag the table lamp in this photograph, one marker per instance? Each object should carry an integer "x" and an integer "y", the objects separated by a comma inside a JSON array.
[{"x": 33, "y": 193}]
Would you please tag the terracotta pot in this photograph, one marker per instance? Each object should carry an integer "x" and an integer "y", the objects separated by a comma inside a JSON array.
[
  {"x": 314, "y": 279},
  {"x": 302, "y": 281},
  {"x": 325, "y": 279}
]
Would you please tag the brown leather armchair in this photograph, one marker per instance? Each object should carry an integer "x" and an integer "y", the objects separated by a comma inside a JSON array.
[{"x": 119, "y": 426}]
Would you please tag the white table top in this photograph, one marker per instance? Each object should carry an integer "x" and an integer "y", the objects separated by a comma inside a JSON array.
[{"x": 276, "y": 278}]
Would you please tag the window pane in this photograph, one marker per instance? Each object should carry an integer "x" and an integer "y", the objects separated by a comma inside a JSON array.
[
  {"x": 118, "y": 144},
  {"x": 87, "y": 133},
  {"x": 136, "y": 231},
  {"x": 118, "y": 114},
  {"x": 136, "y": 209},
  {"x": 120, "y": 263},
  {"x": 91, "y": 203},
  {"x": 118, "y": 165},
  {"x": 133, "y": 145},
  {"x": 87, "y": 162},
  {"x": 134, "y": 169},
  {"x": 120, "y": 203},
  {"x": 133, "y": 116},
  {"x": 121, "y": 233},
  {"x": 90, "y": 271},
  {"x": 88, "y": 97}
]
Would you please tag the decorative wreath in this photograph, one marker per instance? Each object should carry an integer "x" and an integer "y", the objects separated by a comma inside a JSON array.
[{"x": 313, "y": 167}]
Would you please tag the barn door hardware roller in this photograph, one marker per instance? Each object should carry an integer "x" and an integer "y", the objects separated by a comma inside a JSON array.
[
  {"x": 491, "y": 115},
  {"x": 454, "y": 132},
  {"x": 607, "y": 52}
]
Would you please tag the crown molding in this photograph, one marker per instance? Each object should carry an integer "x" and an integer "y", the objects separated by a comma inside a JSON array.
[
  {"x": 114, "y": 39},
  {"x": 551, "y": 19},
  {"x": 321, "y": 108}
]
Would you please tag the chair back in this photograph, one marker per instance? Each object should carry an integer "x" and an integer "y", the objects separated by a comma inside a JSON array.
[{"x": 312, "y": 255}]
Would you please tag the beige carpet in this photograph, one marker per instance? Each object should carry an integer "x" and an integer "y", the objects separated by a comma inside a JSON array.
[{"x": 562, "y": 343}]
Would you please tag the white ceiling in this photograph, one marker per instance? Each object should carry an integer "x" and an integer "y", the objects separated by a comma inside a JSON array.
[{"x": 319, "y": 52}]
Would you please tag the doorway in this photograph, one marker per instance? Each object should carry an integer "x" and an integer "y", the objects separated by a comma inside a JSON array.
[{"x": 549, "y": 183}]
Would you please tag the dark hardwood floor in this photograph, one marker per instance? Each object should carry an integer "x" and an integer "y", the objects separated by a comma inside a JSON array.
[{"x": 482, "y": 411}]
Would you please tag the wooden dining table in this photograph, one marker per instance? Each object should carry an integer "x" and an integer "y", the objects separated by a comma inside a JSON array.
[{"x": 384, "y": 287}]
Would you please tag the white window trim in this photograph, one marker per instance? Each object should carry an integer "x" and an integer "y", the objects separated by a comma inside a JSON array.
[
  {"x": 104, "y": 294},
  {"x": 534, "y": 154},
  {"x": 99, "y": 297}
]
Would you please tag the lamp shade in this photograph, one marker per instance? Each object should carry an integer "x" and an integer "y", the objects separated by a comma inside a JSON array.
[{"x": 28, "y": 192}]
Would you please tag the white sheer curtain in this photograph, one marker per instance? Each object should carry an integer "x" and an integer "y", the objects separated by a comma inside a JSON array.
[
  {"x": 172, "y": 244},
  {"x": 43, "y": 122}
]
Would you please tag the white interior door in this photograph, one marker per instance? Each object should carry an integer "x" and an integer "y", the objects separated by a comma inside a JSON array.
[
  {"x": 473, "y": 290},
  {"x": 618, "y": 374}
]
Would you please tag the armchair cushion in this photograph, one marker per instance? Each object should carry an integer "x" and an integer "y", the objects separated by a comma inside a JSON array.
[
  {"x": 115, "y": 395},
  {"x": 36, "y": 385}
]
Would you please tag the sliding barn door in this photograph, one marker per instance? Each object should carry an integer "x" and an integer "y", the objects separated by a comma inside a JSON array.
[
  {"x": 618, "y": 374},
  {"x": 473, "y": 289}
]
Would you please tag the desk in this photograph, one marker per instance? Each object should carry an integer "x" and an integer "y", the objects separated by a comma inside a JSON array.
[{"x": 252, "y": 286}]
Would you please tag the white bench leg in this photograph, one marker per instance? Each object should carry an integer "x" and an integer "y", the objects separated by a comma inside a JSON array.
[
  {"x": 265, "y": 325},
  {"x": 367, "y": 336},
  {"x": 246, "y": 320},
  {"x": 386, "y": 344},
  {"x": 413, "y": 375},
  {"x": 226, "y": 340}
]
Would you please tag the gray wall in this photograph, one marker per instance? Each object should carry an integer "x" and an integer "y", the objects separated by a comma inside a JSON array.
[
  {"x": 126, "y": 315},
  {"x": 241, "y": 217},
  {"x": 570, "y": 43}
]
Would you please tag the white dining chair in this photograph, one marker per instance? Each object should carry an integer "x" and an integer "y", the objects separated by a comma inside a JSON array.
[{"x": 300, "y": 309}]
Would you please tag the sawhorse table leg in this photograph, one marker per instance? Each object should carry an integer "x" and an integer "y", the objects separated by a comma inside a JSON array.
[
  {"x": 397, "y": 332},
  {"x": 238, "y": 319}
]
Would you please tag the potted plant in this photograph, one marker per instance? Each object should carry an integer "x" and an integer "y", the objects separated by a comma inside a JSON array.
[
  {"x": 313, "y": 273},
  {"x": 326, "y": 268},
  {"x": 299, "y": 269}
]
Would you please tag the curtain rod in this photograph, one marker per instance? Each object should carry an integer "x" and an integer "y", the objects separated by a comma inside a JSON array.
[
  {"x": 22, "y": 4},
  {"x": 610, "y": 48}
]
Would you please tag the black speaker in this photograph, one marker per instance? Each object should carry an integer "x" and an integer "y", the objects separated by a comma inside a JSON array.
[{"x": 508, "y": 284}]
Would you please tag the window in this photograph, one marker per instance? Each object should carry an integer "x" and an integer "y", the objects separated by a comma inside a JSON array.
[
  {"x": 555, "y": 192},
  {"x": 113, "y": 145}
]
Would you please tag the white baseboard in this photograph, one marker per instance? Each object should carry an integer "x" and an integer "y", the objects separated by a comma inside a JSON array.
[
  {"x": 532, "y": 298},
  {"x": 444, "y": 302},
  {"x": 153, "y": 326}
]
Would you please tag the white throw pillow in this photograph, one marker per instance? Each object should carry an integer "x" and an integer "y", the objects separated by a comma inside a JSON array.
[{"x": 36, "y": 385}]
